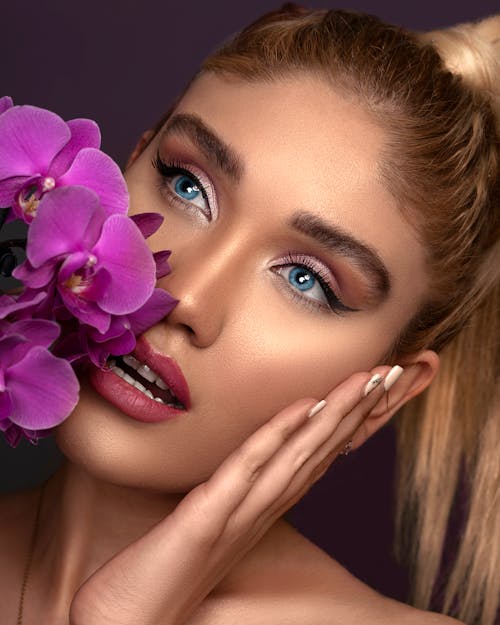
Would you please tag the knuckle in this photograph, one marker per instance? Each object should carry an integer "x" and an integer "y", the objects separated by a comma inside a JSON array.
[
  {"x": 301, "y": 457},
  {"x": 249, "y": 461},
  {"x": 198, "y": 515}
]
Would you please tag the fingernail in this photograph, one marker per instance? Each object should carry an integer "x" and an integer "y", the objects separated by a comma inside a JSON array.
[
  {"x": 315, "y": 409},
  {"x": 372, "y": 383},
  {"x": 392, "y": 377}
]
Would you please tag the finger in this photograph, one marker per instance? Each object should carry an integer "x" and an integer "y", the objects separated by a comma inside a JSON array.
[
  {"x": 293, "y": 466},
  {"x": 217, "y": 499},
  {"x": 319, "y": 462}
]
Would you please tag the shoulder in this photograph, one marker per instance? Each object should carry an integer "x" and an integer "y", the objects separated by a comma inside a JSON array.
[{"x": 288, "y": 579}]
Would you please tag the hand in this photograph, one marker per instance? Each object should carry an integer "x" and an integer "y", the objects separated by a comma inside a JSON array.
[{"x": 161, "y": 578}]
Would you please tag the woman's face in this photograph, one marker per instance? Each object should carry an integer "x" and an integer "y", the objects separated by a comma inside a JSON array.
[{"x": 293, "y": 265}]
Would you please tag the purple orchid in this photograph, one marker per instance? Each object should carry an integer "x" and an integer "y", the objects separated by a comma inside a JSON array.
[
  {"x": 88, "y": 273},
  {"x": 37, "y": 390},
  {"x": 89, "y": 342},
  {"x": 39, "y": 152},
  {"x": 120, "y": 337},
  {"x": 100, "y": 262}
]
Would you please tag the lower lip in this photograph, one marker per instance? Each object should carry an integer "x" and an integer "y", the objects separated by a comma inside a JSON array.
[{"x": 129, "y": 399}]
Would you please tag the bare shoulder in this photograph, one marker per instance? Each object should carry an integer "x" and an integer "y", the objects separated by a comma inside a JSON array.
[{"x": 288, "y": 580}]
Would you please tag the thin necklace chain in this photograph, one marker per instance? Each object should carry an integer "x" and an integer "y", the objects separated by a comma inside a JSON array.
[{"x": 27, "y": 567}]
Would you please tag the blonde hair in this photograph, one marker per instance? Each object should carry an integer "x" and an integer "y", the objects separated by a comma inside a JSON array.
[
  {"x": 454, "y": 429},
  {"x": 441, "y": 161}
]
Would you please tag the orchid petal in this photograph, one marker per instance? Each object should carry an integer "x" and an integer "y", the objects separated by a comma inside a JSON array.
[
  {"x": 85, "y": 311},
  {"x": 99, "y": 350},
  {"x": 5, "y": 406},
  {"x": 158, "y": 306},
  {"x": 84, "y": 134},
  {"x": 37, "y": 331},
  {"x": 10, "y": 187},
  {"x": 9, "y": 304},
  {"x": 69, "y": 220},
  {"x": 121, "y": 249},
  {"x": 97, "y": 171},
  {"x": 30, "y": 137},
  {"x": 101, "y": 280},
  {"x": 148, "y": 223},
  {"x": 43, "y": 390},
  {"x": 13, "y": 435},
  {"x": 117, "y": 340},
  {"x": 34, "y": 278},
  {"x": 162, "y": 266},
  {"x": 72, "y": 263},
  {"x": 13, "y": 348},
  {"x": 5, "y": 103}
]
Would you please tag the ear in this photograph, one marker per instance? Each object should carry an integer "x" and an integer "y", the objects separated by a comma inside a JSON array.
[
  {"x": 419, "y": 370},
  {"x": 140, "y": 147}
]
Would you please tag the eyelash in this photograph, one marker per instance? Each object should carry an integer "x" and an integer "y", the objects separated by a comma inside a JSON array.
[
  {"x": 335, "y": 304},
  {"x": 174, "y": 168}
]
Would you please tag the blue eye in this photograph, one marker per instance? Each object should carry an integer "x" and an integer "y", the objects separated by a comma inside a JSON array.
[
  {"x": 311, "y": 283},
  {"x": 184, "y": 187},
  {"x": 303, "y": 279}
]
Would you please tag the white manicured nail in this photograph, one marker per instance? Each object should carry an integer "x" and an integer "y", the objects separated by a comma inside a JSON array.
[
  {"x": 392, "y": 377},
  {"x": 315, "y": 409},
  {"x": 372, "y": 383}
]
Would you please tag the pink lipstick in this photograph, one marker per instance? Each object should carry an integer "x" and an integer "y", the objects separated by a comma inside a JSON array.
[{"x": 146, "y": 385}]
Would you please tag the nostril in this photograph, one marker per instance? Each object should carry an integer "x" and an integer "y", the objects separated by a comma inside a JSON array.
[{"x": 189, "y": 330}]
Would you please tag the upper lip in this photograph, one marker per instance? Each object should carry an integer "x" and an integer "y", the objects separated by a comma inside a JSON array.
[{"x": 166, "y": 367}]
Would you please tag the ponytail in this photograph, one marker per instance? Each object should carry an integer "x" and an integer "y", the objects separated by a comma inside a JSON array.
[{"x": 454, "y": 429}]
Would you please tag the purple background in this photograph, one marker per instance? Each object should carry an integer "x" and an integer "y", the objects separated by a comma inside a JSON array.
[{"x": 121, "y": 64}]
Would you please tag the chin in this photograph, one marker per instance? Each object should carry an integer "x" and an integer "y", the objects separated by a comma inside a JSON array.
[{"x": 110, "y": 447}]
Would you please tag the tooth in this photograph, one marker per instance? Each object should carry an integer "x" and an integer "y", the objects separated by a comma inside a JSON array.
[
  {"x": 128, "y": 378},
  {"x": 131, "y": 361},
  {"x": 139, "y": 386},
  {"x": 149, "y": 394},
  {"x": 159, "y": 400},
  {"x": 159, "y": 382},
  {"x": 118, "y": 371},
  {"x": 146, "y": 372}
]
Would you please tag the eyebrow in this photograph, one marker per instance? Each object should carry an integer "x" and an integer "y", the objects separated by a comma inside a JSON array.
[
  {"x": 335, "y": 239},
  {"x": 213, "y": 147}
]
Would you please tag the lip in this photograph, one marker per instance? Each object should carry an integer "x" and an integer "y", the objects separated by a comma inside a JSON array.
[
  {"x": 133, "y": 402},
  {"x": 166, "y": 368}
]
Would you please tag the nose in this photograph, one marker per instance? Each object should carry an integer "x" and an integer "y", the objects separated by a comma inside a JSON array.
[{"x": 205, "y": 278}]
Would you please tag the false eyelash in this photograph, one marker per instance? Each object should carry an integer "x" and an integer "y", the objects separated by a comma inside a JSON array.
[
  {"x": 174, "y": 168},
  {"x": 335, "y": 304}
]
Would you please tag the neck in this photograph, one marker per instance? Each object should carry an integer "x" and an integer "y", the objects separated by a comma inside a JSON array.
[{"x": 83, "y": 523}]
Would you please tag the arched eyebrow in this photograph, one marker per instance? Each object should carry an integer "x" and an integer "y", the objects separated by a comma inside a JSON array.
[
  {"x": 206, "y": 139},
  {"x": 341, "y": 242}
]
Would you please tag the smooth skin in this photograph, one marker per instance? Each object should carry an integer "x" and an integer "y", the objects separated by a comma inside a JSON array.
[{"x": 179, "y": 522}]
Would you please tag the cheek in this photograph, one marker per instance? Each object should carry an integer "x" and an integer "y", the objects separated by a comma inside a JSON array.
[{"x": 269, "y": 360}]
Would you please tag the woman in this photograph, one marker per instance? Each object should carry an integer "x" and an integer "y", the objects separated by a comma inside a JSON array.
[{"x": 331, "y": 200}]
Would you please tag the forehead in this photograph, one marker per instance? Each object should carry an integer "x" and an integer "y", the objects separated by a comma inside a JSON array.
[
  {"x": 320, "y": 146},
  {"x": 297, "y": 122}
]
